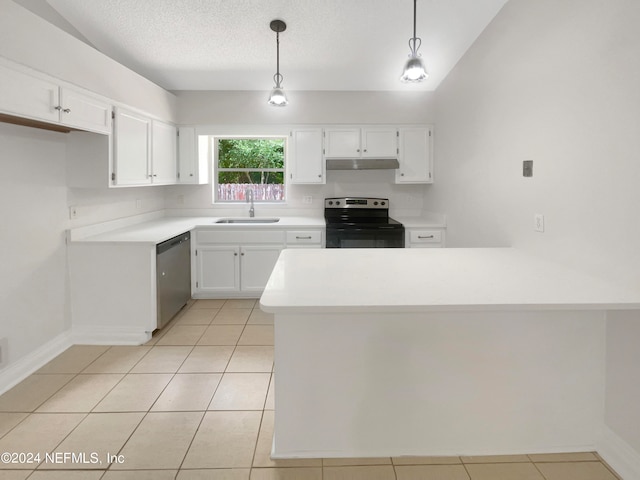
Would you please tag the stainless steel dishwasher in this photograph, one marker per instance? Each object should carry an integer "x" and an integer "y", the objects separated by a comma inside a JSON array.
[{"x": 173, "y": 269}]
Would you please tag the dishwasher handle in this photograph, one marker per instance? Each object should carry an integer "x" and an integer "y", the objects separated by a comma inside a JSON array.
[{"x": 172, "y": 242}]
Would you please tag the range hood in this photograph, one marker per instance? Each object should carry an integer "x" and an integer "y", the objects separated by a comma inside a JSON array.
[{"x": 362, "y": 163}]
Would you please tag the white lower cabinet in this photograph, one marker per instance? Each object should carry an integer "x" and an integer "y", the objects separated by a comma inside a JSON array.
[
  {"x": 234, "y": 263},
  {"x": 217, "y": 269},
  {"x": 304, "y": 238},
  {"x": 256, "y": 264},
  {"x": 424, "y": 237}
]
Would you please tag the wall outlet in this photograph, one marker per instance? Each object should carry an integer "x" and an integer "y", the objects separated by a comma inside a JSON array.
[
  {"x": 538, "y": 222},
  {"x": 308, "y": 199},
  {"x": 4, "y": 352},
  {"x": 138, "y": 203},
  {"x": 73, "y": 212}
]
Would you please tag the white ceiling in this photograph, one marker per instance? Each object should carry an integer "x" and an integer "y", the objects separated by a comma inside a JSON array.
[{"x": 228, "y": 45}]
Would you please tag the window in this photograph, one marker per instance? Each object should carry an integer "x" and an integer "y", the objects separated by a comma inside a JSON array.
[{"x": 243, "y": 164}]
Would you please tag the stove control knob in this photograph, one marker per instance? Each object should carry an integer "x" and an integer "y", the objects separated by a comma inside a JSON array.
[
  {"x": 338, "y": 202},
  {"x": 383, "y": 203},
  {"x": 375, "y": 203},
  {"x": 330, "y": 202}
]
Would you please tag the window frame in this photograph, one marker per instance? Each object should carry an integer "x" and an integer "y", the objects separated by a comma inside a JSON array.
[{"x": 214, "y": 139}]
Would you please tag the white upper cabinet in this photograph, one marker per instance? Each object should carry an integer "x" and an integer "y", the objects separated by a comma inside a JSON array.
[
  {"x": 132, "y": 149},
  {"x": 28, "y": 96},
  {"x": 341, "y": 142},
  {"x": 193, "y": 157},
  {"x": 24, "y": 95},
  {"x": 380, "y": 142},
  {"x": 145, "y": 150},
  {"x": 304, "y": 156},
  {"x": 164, "y": 166},
  {"x": 415, "y": 155},
  {"x": 84, "y": 112},
  {"x": 356, "y": 142}
]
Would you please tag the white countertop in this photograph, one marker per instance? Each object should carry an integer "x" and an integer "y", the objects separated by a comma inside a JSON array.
[
  {"x": 405, "y": 280},
  {"x": 161, "y": 229},
  {"x": 420, "y": 222}
]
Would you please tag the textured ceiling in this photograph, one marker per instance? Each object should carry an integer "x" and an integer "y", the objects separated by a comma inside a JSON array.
[{"x": 228, "y": 45}]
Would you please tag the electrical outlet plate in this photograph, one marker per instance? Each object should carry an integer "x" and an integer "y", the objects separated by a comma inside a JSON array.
[
  {"x": 4, "y": 352},
  {"x": 307, "y": 199},
  {"x": 538, "y": 222},
  {"x": 73, "y": 212}
]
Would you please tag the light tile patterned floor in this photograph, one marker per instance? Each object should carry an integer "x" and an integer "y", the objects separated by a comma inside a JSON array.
[{"x": 196, "y": 403}]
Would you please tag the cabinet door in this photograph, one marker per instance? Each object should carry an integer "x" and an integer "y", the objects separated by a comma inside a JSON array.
[
  {"x": 24, "y": 95},
  {"x": 380, "y": 142},
  {"x": 193, "y": 157},
  {"x": 84, "y": 112},
  {"x": 305, "y": 156},
  {"x": 415, "y": 155},
  {"x": 132, "y": 139},
  {"x": 164, "y": 165},
  {"x": 187, "y": 150},
  {"x": 342, "y": 142},
  {"x": 256, "y": 265},
  {"x": 217, "y": 269}
]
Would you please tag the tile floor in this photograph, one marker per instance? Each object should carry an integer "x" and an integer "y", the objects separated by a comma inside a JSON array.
[{"x": 196, "y": 402}]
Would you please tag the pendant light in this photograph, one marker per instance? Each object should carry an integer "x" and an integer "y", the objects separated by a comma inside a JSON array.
[
  {"x": 277, "y": 97},
  {"x": 414, "y": 69}
]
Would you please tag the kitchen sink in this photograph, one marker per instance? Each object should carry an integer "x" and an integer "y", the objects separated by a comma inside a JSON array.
[{"x": 248, "y": 220}]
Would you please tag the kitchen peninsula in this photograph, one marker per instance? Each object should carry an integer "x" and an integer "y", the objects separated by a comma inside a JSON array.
[{"x": 391, "y": 352}]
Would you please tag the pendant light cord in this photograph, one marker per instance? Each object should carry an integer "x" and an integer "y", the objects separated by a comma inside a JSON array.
[
  {"x": 277, "y": 77},
  {"x": 415, "y": 42}
]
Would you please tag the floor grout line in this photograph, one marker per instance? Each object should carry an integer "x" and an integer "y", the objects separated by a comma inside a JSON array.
[{"x": 173, "y": 375}]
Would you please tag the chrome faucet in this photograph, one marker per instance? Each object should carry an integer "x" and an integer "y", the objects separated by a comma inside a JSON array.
[{"x": 249, "y": 195}]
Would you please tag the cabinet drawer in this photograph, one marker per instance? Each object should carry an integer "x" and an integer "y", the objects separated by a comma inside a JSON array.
[
  {"x": 304, "y": 237},
  {"x": 425, "y": 236},
  {"x": 239, "y": 236}
]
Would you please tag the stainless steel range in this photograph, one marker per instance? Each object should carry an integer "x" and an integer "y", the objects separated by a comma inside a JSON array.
[{"x": 359, "y": 222}]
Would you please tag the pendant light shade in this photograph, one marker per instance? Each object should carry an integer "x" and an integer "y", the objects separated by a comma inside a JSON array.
[
  {"x": 277, "y": 98},
  {"x": 414, "y": 69}
]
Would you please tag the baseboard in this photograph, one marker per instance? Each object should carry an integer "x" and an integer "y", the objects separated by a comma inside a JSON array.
[
  {"x": 109, "y": 336},
  {"x": 619, "y": 455},
  {"x": 21, "y": 369}
]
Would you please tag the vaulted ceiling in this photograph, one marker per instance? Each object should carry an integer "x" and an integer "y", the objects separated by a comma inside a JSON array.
[{"x": 228, "y": 45}]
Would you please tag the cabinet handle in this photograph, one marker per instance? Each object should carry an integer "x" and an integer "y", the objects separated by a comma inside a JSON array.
[
  {"x": 242, "y": 254},
  {"x": 365, "y": 150},
  {"x": 319, "y": 176},
  {"x": 235, "y": 254},
  {"x": 402, "y": 174},
  {"x": 358, "y": 150},
  {"x": 303, "y": 238},
  {"x": 65, "y": 110},
  {"x": 427, "y": 236}
]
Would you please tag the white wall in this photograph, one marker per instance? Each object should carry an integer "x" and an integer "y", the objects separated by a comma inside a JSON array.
[
  {"x": 557, "y": 83},
  {"x": 246, "y": 109},
  {"x": 34, "y": 196},
  {"x": 240, "y": 107},
  {"x": 33, "y": 204},
  {"x": 27, "y": 39}
]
